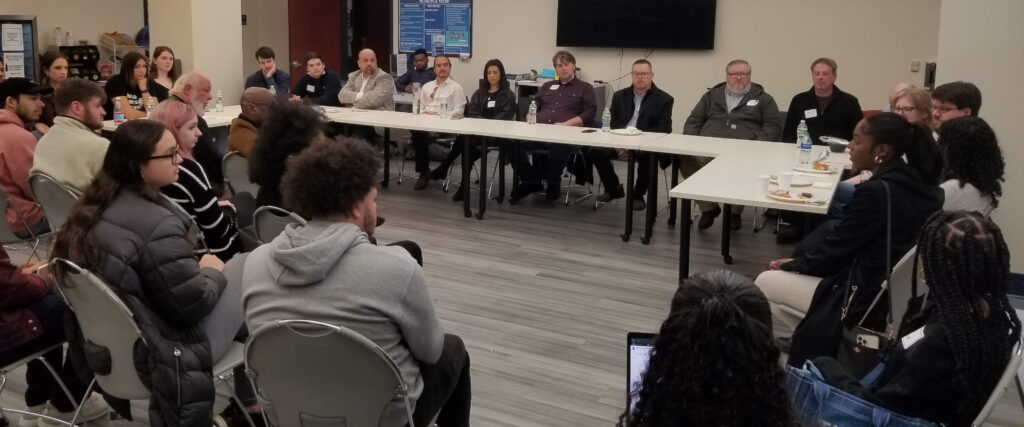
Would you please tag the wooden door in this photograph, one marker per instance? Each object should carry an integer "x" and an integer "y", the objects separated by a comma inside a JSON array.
[
  {"x": 371, "y": 28},
  {"x": 314, "y": 25}
]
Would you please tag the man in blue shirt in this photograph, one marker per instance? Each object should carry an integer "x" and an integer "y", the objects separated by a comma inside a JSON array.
[
  {"x": 268, "y": 76},
  {"x": 418, "y": 74}
]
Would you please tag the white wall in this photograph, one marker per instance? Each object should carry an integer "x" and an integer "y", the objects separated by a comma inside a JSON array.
[
  {"x": 267, "y": 24},
  {"x": 984, "y": 43},
  {"x": 874, "y": 42}
]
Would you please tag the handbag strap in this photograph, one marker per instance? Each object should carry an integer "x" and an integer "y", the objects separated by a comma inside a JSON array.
[{"x": 888, "y": 265}]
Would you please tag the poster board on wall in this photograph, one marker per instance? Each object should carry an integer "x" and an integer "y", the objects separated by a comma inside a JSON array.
[
  {"x": 442, "y": 27},
  {"x": 18, "y": 45}
]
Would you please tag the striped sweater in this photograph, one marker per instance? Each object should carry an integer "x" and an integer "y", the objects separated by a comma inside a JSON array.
[{"x": 196, "y": 195}]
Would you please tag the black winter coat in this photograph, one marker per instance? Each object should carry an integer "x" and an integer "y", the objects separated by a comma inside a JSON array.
[
  {"x": 838, "y": 120},
  {"x": 655, "y": 110}
]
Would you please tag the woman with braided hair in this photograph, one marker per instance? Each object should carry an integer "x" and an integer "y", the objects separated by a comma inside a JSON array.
[
  {"x": 972, "y": 165},
  {"x": 951, "y": 352},
  {"x": 714, "y": 363}
]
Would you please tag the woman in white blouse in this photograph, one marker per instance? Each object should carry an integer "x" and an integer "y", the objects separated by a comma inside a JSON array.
[{"x": 972, "y": 165}]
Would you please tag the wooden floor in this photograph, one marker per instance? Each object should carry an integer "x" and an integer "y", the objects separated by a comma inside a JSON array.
[{"x": 544, "y": 294}]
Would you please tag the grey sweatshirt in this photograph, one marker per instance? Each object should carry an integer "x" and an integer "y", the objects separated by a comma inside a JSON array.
[{"x": 330, "y": 272}]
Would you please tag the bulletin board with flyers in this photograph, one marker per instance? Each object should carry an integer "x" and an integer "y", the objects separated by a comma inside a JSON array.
[{"x": 18, "y": 45}]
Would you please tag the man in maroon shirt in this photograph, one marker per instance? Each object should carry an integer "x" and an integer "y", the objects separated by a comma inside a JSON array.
[{"x": 565, "y": 101}]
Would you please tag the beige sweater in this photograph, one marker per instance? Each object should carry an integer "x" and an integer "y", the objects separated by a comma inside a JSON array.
[
  {"x": 71, "y": 153},
  {"x": 377, "y": 94}
]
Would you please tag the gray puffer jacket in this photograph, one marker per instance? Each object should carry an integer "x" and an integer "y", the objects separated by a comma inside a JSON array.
[
  {"x": 139, "y": 247},
  {"x": 756, "y": 117}
]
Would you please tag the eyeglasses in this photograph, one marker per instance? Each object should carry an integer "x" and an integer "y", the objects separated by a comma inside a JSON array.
[
  {"x": 642, "y": 75},
  {"x": 175, "y": 157},
  {"x": 738, "y": 75},
  {"x": 903, "y": 110},
  {"x": 943, "y": 110}
]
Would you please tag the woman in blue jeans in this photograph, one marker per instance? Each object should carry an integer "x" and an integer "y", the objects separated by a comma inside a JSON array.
[{"x": 951, "y": 350}]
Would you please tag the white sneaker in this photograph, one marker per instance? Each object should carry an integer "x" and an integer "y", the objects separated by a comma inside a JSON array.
[
  {"x": 30, "y": 420},
  {"x": 94, "y": 407}
]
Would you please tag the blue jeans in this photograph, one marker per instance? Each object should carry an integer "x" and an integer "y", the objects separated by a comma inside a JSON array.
[{"x": 817, "y": 403}]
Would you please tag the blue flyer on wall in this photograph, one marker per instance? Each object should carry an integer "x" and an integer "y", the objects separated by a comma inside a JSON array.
[{"x": 442, "y": 27}]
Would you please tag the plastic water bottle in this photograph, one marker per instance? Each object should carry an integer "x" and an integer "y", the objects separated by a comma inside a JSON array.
[
  {"x": 219, "y": 103},
  {"x": 416, "y": 98},
  {"x": 606, "y": 120},
  {"x": 444, "y": 108},
  {"x": 118, "y": 112},
  {"x": 273, "y": 90},
  {"x": 150, "y": 105},
  {"x": 531, "y": 115},
  {"x": 803, "y": 141}
]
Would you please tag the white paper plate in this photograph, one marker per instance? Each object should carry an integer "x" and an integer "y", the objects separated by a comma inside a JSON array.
[
  {"x": 798, "y": 181},
  {"x": 627, "y": 132},
  {"x": 808, "y": 168},
  {"x": 796, "y": 199}
]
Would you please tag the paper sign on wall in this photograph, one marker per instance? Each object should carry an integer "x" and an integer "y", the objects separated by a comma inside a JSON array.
[
  {"x": 15, "y": 63},
  {"x": 12, "y": 38}
]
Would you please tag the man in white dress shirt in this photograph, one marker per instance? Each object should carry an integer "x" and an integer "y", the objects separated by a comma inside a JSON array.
[{"x": 443, "y": 91}]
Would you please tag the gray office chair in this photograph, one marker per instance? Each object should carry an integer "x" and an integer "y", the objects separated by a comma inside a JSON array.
[
  {"x": 4, "y": 370},
  {"x": 8, "y": 238},
  {"x": 1010, "y": 374},
  {"x": 322, "y": 374},
  {"x": 269, "y": 221},
  {"x": 107, "y": 322},
  {"x": 56, "y": 198},
  {"x": 236, "y": 174},
  {"x": 900, "y": 286}
]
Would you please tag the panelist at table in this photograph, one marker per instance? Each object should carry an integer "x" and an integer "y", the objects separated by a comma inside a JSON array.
[
  {"x": 432, "y": 95},
  {"x": 565, "y": 101},
  {"x": 368, "y": 88},
  {"x": 319, "y": 84}
]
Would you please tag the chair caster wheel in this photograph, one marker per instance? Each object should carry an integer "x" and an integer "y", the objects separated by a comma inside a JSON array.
[{"x": 645, "y": 240}]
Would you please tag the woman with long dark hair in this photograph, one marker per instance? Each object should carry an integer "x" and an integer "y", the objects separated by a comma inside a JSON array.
[
  {"x": 973, "y": 167},
  {"x": 493, "y": 100},
  {"x": 850, "y": 252},
  {"x": 287, "y": 129},
  {"x": 161, "y": 70},
  {"x": 950, "y": 353},
  {"x": 124, "y": 231},
  {"x": 713, "y": 362},
  {"x": 133, "y": 88},
  {"x": 54, "y": 72}
]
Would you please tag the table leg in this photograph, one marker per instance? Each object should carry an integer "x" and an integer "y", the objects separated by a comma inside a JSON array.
[
  {"x": 652, "y": 201},
  {"x": 726, "y": 232},
  {"x": 466, "y": 170},
  {"x": 672, "y": 202},
  {"x": 483, "y": 178},
  {"x": 684, "y": 242},
  {"x": 630, "y": 161},
  {"x": 517, "y": 153},
  {"x": 387, "y": 157},
  {"x": 501, "y": 172}
]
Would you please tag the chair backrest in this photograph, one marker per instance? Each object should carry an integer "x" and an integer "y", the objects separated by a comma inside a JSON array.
[
  {"x": 106, "y": 322},
  {"x": 236, "y": 173},
  {"x": 55, "y": 198},
  {"x": 1004, "y": 381},
  {"x": 900, "y": 285},
  {"x": 322, "y": 374},
  {"x": 269, "y": 221}
]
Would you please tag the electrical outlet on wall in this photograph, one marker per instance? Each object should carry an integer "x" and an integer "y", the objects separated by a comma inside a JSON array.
[{"x": 915, "y": 66}]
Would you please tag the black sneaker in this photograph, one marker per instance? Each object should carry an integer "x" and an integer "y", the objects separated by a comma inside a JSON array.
[
  {"x": 639, "y": 204},
  {"x": 735, "y": 222},
  {"x": 459, "y": 195},
  {"x": 422, "y": 182},
  {"x": 439, "y": 173},
  {"x": 707, "y": 219},
  {"x": 611, "y": 194},
  {"x": 524, "y": 190}
]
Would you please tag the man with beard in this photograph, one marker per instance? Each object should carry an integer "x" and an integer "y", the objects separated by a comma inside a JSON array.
[
  {"x": 22, "y": 104},
  {"x": 72, "y": 152},
  {"x": 194, "y": 89}
]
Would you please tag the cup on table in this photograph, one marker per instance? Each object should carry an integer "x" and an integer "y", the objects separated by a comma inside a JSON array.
[
  {"x": 761, "y": 184},
  {"x": 785, "y": 180}
]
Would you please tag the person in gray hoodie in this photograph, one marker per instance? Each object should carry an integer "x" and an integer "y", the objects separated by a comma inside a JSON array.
[
  {"x": 329, "y": 270},
  {"x": 737, "y": 109}
]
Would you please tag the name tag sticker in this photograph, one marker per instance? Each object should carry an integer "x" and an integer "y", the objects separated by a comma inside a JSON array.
[
  {"x": 554, "y": 87},
  {"x": 490, "y": 104},
  {"x": 912, "y": 338},
  {"x": 310, "y": 88},
  {"x": 752, "y": 103},
  {"x": 810, "y": 114}
]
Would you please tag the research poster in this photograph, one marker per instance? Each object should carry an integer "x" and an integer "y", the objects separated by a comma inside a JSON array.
[{"x": 442, "y": 27}]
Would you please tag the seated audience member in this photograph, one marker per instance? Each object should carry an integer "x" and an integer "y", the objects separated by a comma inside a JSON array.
[
  {"x": 21, "y": 105},
  {"x": 973, "y": 166},
  {"x": 194, "y": 89},
  {"x": 735, "y": 108},
  {"x": 956, "y": 99},
  {"x": 900, "y": 87},
  {"x": 419, "y": 73},
  {"x": 287, "y": 129},
  {"x": 826, "y": 109},
  {"x": 133, "y": 87},
  {"x": 713, "y": 362},
  {"x": 377, "y": 291},
  {"x": 319, "y": 85},
  {"x": 493, "y": 100},
  {"x": 245, "y": 128},
  {"x": 851, "y": 250},
  {"x": 643, "y": 106},
  {"x": 442, "y": 91},
  {"x": 268, "y": 76},
  {"x": 72, "y": 152},
  {"x": 32, "y": 320},
  {"x": 193, "y": 191},
  {"x": 136, "y": 241},
  {"x": 161, "y": 70},
  {"x": 950, "y": 353},
  {"x": 54, "y": 72},
  {"x": 565, "y": 101}
]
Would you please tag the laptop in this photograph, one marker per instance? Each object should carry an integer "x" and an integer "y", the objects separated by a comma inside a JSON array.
[{"x": 639, "y": 346}]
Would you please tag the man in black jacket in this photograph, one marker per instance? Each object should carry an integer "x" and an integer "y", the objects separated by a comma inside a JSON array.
[
  {"x": 645, "y": 107},
  {"x": 827, "y": 110}
]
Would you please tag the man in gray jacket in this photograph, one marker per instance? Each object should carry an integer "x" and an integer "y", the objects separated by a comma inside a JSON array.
[
  {"x": 328, "y": 270},
  {"x": 737, "y": 109}
]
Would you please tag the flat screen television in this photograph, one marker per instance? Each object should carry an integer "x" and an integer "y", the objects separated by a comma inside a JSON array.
[{"x": 651, "y": 24}]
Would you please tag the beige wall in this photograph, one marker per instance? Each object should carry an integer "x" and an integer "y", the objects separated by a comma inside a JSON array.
[
  {"x": 267, "y": 24},
  {"x": 170, "y": 25},
  {"x": 984, "y": 45},
  {"x": 874, "y": 42}
]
